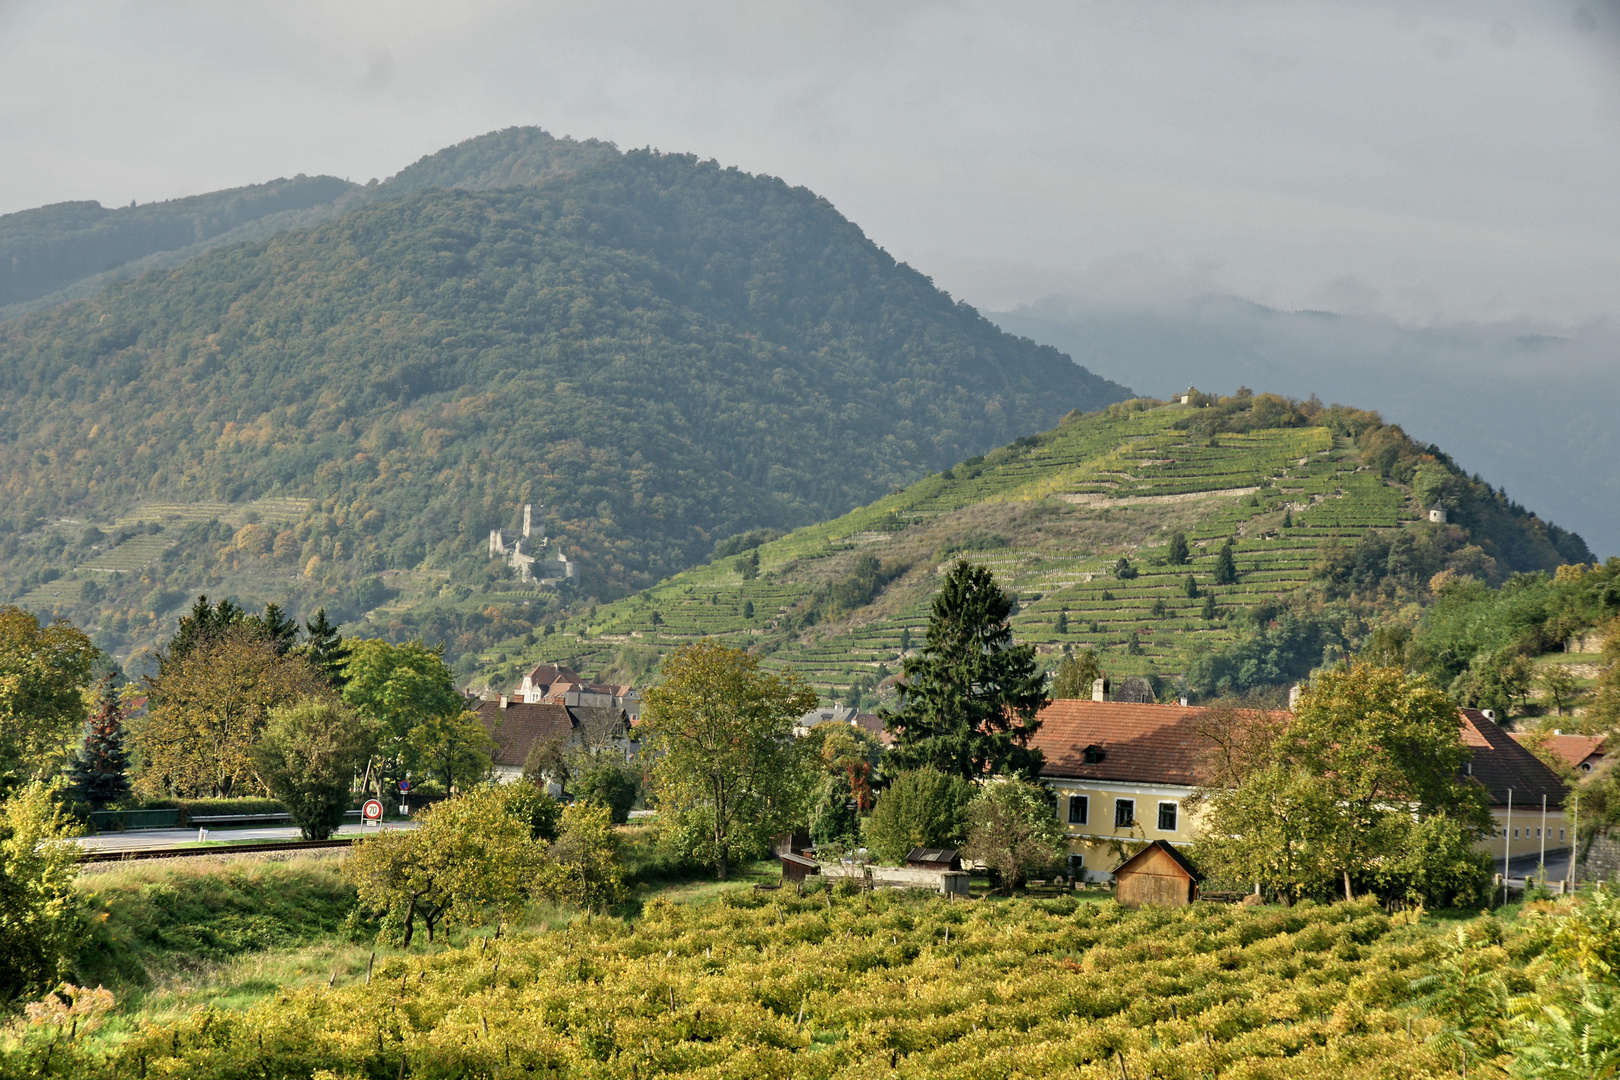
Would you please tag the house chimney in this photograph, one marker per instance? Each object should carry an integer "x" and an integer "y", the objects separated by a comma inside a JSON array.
[
  {"x": 1184, "y": 701},
  {"x": 1099, "y": 690},
  {"x": 1489, "y": 714},
  {"x": 1294, "y": 693},
  {"x": 503, "y": 701}
]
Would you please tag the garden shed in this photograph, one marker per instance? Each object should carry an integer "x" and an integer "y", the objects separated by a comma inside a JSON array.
[
  {"x": 796, "y": 867},
  {"x": 1158, "y": 874},
  {"x": 933, "y": 859}
]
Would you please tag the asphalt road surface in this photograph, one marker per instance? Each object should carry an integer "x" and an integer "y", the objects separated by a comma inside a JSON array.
[{"x": 161, "y": 838}]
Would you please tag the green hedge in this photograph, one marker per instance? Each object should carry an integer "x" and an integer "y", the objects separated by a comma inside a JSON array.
[{"x": 190, "y": 808}]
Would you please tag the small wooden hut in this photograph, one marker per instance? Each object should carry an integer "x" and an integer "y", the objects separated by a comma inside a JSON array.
[
  {"x": 1158, "y": 874},
  {"x": 795, "y": 867},
  {"x": 933, "y": 859}
]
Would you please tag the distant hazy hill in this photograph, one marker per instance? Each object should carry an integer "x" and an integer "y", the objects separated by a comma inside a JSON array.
[
  {"x": 1326, "y": 510},
  {"x": 51, "y": 249},
  {"x": 660, "y": 351}
]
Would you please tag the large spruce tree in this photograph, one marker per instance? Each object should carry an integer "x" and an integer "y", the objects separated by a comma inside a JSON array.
[
  {"x": 100, "y": 770},
  {"x": 325, "y": 650},
  {"x": 970, "y": 696}
]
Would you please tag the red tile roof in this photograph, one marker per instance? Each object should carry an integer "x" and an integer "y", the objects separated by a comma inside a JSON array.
[
  {"x": 1143, "y": 744},
  {"x": 519, "y": 726},
  {"x": 872, "y": 724},
  {"x": 1501, "y": 763},
  {"x": 1572, "y": 748},
  {"x": 1161, "y": 744}
]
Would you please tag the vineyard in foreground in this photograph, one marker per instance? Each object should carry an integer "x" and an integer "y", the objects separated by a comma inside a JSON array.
[{"x": 773, "y": 985}]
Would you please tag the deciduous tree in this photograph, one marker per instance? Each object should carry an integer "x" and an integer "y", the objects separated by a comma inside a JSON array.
[
  {"x": 1076, "y": 675},
  {"x": 921, "y": 808},
  {"x": 308, "y": 757},
  {"x": 471, "y": 856},
  {"x": 40, "y": 917},
  {"x": 453, "y": 747},
  {"x": 43, "y": 673},
  {"x": 1362, "y": 783},
  {"x": 399, "y": 687},
  {"x": 208, "y": 709},
  {"x": 583, "y": 866},
  {"x": 729, "y": 773},
  {"x": 1013, "y": 829}
]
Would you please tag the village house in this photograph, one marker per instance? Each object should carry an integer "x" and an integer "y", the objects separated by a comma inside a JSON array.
[
  {"x": 870, "y": 723},
  {"x": 518, "y": 727},
  {"x": 1125, "y": 771},
  {"x": 557, "y": 684},
  {"x": 1520, "y": 784}
]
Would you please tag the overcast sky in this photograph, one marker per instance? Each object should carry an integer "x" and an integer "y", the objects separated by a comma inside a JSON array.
[{"x": 1428, "y": 161}]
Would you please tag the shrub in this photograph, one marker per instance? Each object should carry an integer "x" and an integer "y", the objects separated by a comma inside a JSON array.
[
  {"x": 1013, "y": 829},
  {"x": 920, "y": 808}
]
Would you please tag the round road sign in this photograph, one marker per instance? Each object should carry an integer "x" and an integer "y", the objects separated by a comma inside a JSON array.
[{"x": 372, "y": 812}]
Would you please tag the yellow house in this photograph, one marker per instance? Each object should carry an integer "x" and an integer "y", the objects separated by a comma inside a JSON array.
[{"x": 1124, "y": 772}]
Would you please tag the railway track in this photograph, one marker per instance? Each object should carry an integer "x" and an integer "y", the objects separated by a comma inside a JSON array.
[{"x": 135, "y": 854}]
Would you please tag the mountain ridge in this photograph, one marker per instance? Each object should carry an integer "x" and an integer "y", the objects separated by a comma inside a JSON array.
[{"x": 661, "y": 351}]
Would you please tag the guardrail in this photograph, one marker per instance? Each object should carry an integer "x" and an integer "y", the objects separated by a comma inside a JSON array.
[{"x": 240, "y": 819}]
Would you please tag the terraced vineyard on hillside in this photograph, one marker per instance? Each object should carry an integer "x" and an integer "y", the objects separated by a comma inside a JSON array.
[{"x": 1052, "y": 515}]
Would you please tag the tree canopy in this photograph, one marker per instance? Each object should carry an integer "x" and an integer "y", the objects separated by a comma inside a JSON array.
[
  {"x": 1361, "y": 786},
  {"x": 728, "y": 771},
  {"x": 970, "y": 696},
  {"x": 43, "y": 673}
]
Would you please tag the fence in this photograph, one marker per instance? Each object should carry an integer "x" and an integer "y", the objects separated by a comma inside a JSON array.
[{"x": 126, "y": 820}]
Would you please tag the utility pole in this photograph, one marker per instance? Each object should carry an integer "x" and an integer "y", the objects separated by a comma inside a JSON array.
[
  {"x": 1574, "y": 843},
  {"x": 1541, "y": 867},
  {"x": 1507, "y": 847}
]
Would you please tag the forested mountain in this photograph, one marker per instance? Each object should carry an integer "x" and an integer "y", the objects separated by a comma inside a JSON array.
[
  {"x": 70, "y": 251},
  {"x": 53, "y": 248},
  {"x": 1302, "y": 529},
  {"x": 659, "y": 350}
]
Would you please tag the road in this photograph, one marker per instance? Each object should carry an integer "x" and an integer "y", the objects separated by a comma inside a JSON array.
[
  {"x": 1525, "y": 865},
  {"x": 161, "y": 838}
]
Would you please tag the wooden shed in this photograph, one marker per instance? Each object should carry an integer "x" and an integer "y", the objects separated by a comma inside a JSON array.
[
  {"x": 933, "y": 859},
  {"x": 1158, "y": 874},
  {"x": 797, "y": 867}
]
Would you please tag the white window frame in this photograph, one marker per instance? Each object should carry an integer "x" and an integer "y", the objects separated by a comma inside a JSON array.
[
  {"x": 1175, "y": 816},
  {"x": 1131, "y": 817},
  {"x": 1084, "y": 804}
]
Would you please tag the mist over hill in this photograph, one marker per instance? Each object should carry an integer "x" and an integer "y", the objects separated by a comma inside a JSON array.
[
  {"x": 659, "y": 350},
  {"x": 1531, "y": 410}
]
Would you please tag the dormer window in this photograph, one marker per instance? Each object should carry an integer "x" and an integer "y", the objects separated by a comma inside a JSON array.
[{"x": 1093, "y": 755}]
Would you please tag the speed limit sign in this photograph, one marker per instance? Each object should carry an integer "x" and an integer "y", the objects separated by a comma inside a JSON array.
[{"x": 371, "y": 813}]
